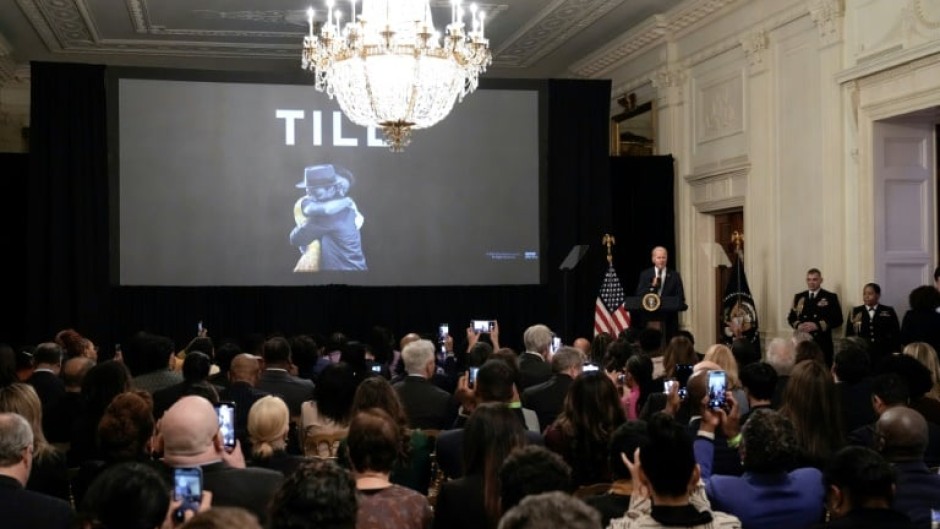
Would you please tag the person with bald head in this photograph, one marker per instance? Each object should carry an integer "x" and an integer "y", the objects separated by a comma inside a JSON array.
[
  {"x": 901, "y": 437},
  {"x": 243, "y": 376},
  {"x": 583, "y": 345},
  {"x": 189, "y": 436}
]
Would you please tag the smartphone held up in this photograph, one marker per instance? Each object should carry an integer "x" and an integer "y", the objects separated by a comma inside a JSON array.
[
  {"x": 717, "y": 387},
  {"x": 187, "y": 489}
]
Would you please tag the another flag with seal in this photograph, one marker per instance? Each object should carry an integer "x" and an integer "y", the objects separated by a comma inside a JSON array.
[{"x": 739, "y": 315}]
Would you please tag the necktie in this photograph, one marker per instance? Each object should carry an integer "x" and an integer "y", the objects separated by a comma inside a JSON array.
[
  {"x": 871, "y": 313},
  {"x": 812, "y": 296}
]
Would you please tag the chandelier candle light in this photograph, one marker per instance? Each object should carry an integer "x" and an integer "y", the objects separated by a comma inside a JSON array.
[{"x": 389, "y": 67}]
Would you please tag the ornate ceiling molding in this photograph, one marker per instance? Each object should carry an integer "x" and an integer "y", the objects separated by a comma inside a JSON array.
[
  {"x": 655, "y": 31},
  {"x": 68, "y": 26},
  {"x": 555, "y": 24}
]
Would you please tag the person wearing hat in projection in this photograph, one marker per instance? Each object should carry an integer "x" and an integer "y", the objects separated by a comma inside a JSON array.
[{"x": 327, "y": 222}]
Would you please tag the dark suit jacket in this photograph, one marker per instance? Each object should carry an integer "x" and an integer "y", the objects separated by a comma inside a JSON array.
[
  {"x": 672, "y": 287},
  {"x": 921, "y": 326},
  {"x": 51, "y": 391},
  {"x": 460, "y": 504},
  {"x": 856, "y": 405},
  {"x": 249, "y": 488},
  {"x": 883, "y": 333},
  {"x": 293, "y": 390},
  {"x": 917, "y": 491},
  {"x": 428, "y": 407},
  {"x": 547, "y": 398},
  {"x": 825, "y": 311},
  {"x": 25, "y": 509},
  {"x": 533, "y": 370}
]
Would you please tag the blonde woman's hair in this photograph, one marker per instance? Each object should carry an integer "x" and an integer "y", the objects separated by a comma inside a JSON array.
[
  {"x": 721, "y": 355},
  {"x": 268, "y": 423},
  {"x": 22, "y": 399},
  {"x": 927, "y": 355}
]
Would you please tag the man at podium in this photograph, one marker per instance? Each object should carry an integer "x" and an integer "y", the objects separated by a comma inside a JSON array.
[{"x": 668, "y": 285}]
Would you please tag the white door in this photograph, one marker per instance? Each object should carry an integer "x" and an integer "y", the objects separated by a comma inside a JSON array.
[{"x": 905, "y": 218}]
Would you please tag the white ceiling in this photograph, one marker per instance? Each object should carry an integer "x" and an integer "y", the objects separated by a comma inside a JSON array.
[{"x": 529, "y": 38}]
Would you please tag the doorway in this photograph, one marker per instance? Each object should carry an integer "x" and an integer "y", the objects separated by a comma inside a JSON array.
[
  {"x": 904, "y": 204},
  {"x": 726, "y": 223}
]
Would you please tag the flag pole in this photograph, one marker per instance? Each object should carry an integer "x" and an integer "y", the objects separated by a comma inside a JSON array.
[
  {"x": 737, "y": 238},
  {"x": 609, "y": 241}
]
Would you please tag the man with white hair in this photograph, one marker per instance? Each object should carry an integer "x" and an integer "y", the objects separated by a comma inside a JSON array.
[
  {"x": 190, "y": 437},
  {"x": 781, "y": 355},
  {"x": 427, "y": 406},
  {"x": 534, "y": 367},
  {"x": 547, "y": 398},
  {"x": 23, "y": 508}
]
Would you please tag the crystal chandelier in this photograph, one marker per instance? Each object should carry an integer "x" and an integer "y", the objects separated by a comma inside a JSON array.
[{"x": 389, "y": 67}]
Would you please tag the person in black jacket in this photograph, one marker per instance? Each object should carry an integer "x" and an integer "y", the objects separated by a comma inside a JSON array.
[{"x": 875, "y": 323}]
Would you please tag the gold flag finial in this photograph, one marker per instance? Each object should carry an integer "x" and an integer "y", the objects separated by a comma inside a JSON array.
[{"x": 609, "y": 241}]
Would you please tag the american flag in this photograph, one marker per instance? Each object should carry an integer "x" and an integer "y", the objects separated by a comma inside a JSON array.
[{"x": 609, "y": 314}]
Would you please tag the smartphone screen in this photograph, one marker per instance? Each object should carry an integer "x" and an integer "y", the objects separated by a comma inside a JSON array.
[
  {"x": 442, "y": 331},
  {"x": 199, "y": 327},
  {"x": 717, "y": 386},
  {"x": 226, "y": 414},
  {"x": 589, "y": 368},
  {"x": 472, "y": 378},
  {"x": 668, "y": 385},
  {"x": 377, "y": 368},
  {"x": 187, "y": 488},
  {"x": 556, "y": 344},
  {"x": 479, "y": 326}
]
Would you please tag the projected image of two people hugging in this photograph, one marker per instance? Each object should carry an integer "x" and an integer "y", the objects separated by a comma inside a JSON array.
[{"x": 327, "y": 222}]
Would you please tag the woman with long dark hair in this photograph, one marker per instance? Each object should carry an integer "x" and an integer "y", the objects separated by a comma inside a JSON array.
[
  {"x": 811, "y": 401},
  {"x": 582, "y": 431},
  {"x": 329, "y": 412},
  {"x": 472, "y": 502}
]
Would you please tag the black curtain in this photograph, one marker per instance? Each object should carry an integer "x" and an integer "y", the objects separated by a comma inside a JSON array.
[
  {"x": 68, "y": 207},
  {"x": 643, "y": 213},
  {"x": 68, "y": 203},
  {"x": 14, "y": 172},
  {"x": 580, "y": 197}
]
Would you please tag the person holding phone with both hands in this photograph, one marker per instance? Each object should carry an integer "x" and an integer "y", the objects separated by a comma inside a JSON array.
[{"x": 769, "y": 494}]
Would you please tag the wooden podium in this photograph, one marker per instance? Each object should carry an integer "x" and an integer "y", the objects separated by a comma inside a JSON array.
[{"x": 667, "y": 310}]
